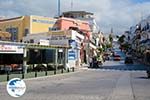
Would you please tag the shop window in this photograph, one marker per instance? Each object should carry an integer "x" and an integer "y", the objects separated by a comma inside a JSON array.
[{"x": 31, "y": 41}]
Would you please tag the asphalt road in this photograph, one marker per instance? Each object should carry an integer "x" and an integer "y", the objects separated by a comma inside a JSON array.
[{"x": 115, "y": 81}]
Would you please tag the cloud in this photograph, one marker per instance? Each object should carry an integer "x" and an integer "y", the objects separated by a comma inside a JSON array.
[{"x": 116, "y": 14}]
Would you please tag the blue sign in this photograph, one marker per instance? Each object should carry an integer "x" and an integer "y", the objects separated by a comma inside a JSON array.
[
  {"x": 16, "y": 87},
  {"x": 72, "y": 43},
  {"x": 71, "y": 55}
]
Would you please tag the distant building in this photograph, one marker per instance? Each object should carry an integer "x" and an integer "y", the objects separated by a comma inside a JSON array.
[
  {"x": 68, "y": 23},
  {"x": 83, "y": 15}
]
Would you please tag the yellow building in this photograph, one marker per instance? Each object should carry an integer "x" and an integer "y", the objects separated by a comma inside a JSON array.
[
  {"x": 5, "y": 36},
  {"x": 21, "y": 26}
]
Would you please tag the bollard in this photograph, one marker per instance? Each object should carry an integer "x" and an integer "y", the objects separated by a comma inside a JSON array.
[
  {"x": 68, "y": 70},
  {"x": 35, "y": 73},
  {"x": 7, "y": 76},
  {"x": 72, "y": 69},
  {"x": 62, "y": 70},
  {"x": 22, "y": 74},
  {"x": 46, "y": 73},
  {"x": 55, "y": 72}
]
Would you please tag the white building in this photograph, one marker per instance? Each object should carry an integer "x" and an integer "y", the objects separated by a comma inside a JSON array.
[
  {"x": 83, "y": 15},
  {"x": 60, "y": 38}
]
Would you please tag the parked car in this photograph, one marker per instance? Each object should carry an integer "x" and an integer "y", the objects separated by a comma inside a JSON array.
[
  {"x": 128, "y": 60},
  {"x": 106, "y": 56},
  {"x": 116, "y": 57},
  {"x": 4, "y": 69}
]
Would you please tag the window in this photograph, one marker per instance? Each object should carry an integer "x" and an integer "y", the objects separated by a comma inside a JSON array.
[
  {"x": 14, "y": 33},
  {"x": 31, "y": 41},
  {"x": 50, "y": 29},
  {"x": 26, "y": 31},
  {"x": 7, "y": 29},
  {"x": 53, "y": 29}
]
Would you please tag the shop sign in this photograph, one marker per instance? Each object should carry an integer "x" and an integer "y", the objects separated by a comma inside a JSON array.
[
  {"x": 11, "y": 49},
  {"x": 44, "y": 42},
  {"x": 71, "y": 55},
  {"x": 43, "y": 21},
  {"x": 59, "y": 42},
  {"x": 59, "y": 37}
]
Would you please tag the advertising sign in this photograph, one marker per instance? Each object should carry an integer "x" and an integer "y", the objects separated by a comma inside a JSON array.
[
  {"x": 11, "y": 49},
  {"x": 44, "y": 42},
  {"x": 71, "y": 55},
  {"x": 73, "y": 44}
]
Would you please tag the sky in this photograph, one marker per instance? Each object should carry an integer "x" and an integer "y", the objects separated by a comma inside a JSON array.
[{"x": 116, "y": 14}]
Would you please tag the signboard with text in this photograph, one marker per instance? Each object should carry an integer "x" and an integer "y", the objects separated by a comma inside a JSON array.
[
  {"x": 44, "y": 42},
  {"x": 11, "y": 49},
  {"x": 71, "y": 54}
]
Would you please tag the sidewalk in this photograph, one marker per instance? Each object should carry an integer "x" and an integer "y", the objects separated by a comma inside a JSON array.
[{"x": 84, "y": 66}]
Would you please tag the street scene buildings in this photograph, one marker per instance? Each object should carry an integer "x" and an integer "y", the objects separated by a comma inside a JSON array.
[
  {"x": 82, "y": 35},
  {"x": 105, "y": 64}
]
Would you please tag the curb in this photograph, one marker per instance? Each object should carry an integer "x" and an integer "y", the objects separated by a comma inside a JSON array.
[{"x": 42, "y": 77}]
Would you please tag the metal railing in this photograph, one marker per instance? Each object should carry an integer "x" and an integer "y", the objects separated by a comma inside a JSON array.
[{"x": 33, "y": 74}]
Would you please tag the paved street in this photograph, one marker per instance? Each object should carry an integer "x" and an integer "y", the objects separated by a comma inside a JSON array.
[
  {"x": 74, "y": 50},
  {"x": 115, "y": 81}
]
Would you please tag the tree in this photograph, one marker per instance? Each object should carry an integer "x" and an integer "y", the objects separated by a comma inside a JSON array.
[
  {"x": 108, "y": 45},
  {"x": 100, "y": 50},
  {"x": 110, "y": 39},
  {"x": 125, "y": 46},
  {"x": 117, "y": 36},
  {"x": 121, "y": 39}
]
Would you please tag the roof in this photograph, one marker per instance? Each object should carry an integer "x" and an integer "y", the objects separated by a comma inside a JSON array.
[
  {"x": 36, "y": 46},
  {"x": 33, "y": 46},
  {"x": 72, "y": 19},
  {"x": 11, "y": 19},
  {"x": 82, "y": 12}
]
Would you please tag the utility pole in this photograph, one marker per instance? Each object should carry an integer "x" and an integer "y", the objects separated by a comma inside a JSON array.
[
  {"x": 71, "y": 5},
  {"x": 111, "y": 31},
  {"x": 58, "y": 8}
]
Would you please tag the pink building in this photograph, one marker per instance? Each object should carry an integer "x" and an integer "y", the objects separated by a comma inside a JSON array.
[
  {"x": 68, "y": 23},
  {"x": 82, "y": 27}
]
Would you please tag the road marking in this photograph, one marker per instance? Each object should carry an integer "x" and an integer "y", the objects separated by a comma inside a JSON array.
[
  {"x": 124, "y": 70},
  {"x": 123, "y": 89}
]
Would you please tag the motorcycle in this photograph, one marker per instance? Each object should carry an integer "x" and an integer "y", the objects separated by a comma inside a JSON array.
[{"x": 99, "y": 63}]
